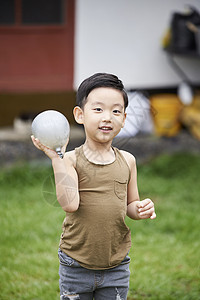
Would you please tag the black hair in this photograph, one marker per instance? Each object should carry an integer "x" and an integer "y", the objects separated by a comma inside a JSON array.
[{"x": 99, "y": 80}]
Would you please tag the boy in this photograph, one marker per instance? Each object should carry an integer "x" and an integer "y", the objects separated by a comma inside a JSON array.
[{"x": 96, "y": 184}]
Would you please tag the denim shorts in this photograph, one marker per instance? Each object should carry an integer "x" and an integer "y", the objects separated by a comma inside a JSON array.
[{"x": 77, "y": 282}]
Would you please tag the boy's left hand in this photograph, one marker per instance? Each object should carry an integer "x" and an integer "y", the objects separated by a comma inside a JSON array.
[{"x": 146, "y": 209}]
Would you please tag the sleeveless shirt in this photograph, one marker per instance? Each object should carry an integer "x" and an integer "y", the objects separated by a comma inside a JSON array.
[{"x": 96, "y": 234}]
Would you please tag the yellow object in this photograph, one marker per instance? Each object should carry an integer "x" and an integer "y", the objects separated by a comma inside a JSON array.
[
  {"x": 166, "y": 113},
  {"x": 166, "y": 38},
  {"x": 190, "y": 117},
  {"x": 196, "y": 100}
]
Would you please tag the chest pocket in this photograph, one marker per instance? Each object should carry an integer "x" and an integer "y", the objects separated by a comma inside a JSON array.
[{"x": 120, "y": 188}]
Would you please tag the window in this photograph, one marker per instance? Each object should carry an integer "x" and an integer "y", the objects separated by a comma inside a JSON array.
[
  {"x": 31, "y": 12},
  {"x": 7, "y": 12},
  {"x": 42, "y": 12}
]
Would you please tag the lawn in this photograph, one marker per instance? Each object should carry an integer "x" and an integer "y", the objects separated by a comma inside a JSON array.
[{"x": 165, "y": 252}]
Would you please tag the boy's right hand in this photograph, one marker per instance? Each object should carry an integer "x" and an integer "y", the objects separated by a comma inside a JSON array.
[{"x": 49, "y": 152}]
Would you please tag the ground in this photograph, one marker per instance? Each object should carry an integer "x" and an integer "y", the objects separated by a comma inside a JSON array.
[{"x": 143, "y": 147}]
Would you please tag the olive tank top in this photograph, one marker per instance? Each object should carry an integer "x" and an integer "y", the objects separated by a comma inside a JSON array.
[{"x": 96, "y": 234}]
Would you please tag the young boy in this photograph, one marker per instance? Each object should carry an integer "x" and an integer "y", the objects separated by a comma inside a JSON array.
[{"x": 96, "y": 185}]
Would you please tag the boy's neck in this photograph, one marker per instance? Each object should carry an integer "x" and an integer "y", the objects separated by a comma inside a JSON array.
[{"x": 99, "y": 153}]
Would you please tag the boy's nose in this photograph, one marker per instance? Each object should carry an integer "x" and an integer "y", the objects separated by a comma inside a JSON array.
[{"x": 106, "y": 117}]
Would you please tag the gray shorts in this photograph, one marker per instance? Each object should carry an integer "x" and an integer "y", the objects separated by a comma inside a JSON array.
[{"x": 77, "y": 282}]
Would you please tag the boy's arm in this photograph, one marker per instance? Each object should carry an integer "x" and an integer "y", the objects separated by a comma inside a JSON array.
[
  {"x": 66, "y": 178},
  {"x": 136, "y": 209}
]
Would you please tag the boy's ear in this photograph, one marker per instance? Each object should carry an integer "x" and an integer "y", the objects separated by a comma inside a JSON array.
[{"x": 78, "y": 114}]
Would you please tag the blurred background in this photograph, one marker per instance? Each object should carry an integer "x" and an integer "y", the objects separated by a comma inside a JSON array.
[{"x": 47, "y": 47}]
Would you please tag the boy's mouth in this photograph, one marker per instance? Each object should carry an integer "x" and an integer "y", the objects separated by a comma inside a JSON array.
[{"x": 105, "y": 128}]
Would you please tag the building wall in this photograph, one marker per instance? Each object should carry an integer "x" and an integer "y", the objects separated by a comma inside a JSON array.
[
  {"x": 124, "y": 37},
  {"x": 38, "y": 59},
  {"x": 28, "y": 105}
]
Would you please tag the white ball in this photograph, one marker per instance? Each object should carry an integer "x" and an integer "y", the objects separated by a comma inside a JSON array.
[{"x": 51, "y": 128}]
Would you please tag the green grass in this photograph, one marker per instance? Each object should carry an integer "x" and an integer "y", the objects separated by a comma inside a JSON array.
[
  {"x": 29, "y": 236},
  {"x": 165, "y": 252}
]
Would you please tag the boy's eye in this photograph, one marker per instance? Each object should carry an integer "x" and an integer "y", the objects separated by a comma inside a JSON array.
[
  {"x": 116, "y": 111},
  {"x": 98, "y": 109}
]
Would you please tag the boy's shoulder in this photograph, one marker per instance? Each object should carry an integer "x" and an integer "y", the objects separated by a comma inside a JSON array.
[
  {"x": 130, "y": 159},
  {"x": 70, "y": 158}
]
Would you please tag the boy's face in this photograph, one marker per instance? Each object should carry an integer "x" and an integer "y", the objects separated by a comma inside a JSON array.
[{"x": 103, "y": 114}]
